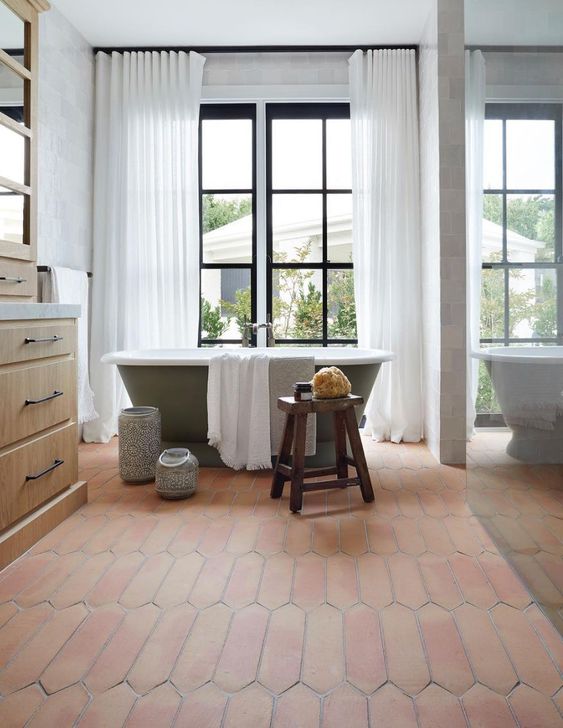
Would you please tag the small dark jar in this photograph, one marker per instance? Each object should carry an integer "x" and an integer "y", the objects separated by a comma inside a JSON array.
[{"x": 302, "y": 391}]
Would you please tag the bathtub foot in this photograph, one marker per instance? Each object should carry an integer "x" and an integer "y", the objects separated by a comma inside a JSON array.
[
  {"x": 538, "y": 450},
  {"x": 536, "y": 446}
]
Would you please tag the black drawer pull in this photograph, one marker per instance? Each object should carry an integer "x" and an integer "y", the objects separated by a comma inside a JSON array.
[
  {"x": 56, "y": 464},
  {"x": 13, "y": 279},
  {"x": 48, "y": 339},
  {"x": 55, "y": 394}
]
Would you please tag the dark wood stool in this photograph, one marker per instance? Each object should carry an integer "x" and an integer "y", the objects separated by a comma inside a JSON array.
[{"x": 294, "y": 434}]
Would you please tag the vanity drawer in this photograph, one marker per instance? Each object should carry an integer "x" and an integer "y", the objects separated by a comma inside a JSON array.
[
  {"x": 25, "y": 341},
  {"x": 33, "y": 473},
  {"x": 17, "y": 278},
  {"x": 31, "y": 401}
]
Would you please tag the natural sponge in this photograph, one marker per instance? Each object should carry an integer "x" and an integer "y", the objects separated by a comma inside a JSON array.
[{"x": 331, "y": 383}]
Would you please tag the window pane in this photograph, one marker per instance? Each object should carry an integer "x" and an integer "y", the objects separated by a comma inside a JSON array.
[
  {"x": 12, "y": 90},
  {"x": 530, "y": 226},
  {"x": 492, "y": 170},
  {"x": 297, "y": 154},
  {"x": 225, "y": 302},
  {"x": 227, "y": 228},
  {"x": 532, "y": 303},
  {"x": 486, "y": 398},
  {"x": 11, "y": 216},
  {"x": 338, "y": 154},
  {"x": 491, "y": 242},
  {"x": 341, "y": 304},
  {"x": 339, "y": 228},
  {"x": 12, "y": 29},
  {"x": 297, "y": 228},
  {"x": 492, "y": 304},
  {"x": 226, "y": 154},
  {"x": 12, "y": 155},
  {"x": 297, "y": 303},
  {"x": 530, "y": 154}
]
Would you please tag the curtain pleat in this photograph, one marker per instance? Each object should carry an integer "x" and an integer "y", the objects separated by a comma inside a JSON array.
[
  {"x": 386, "y": 234},
  {"x": 146, "y": 214}
]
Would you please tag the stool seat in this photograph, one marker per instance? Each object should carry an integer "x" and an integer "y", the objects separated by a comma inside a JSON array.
[{"x": 293, "y": 437}]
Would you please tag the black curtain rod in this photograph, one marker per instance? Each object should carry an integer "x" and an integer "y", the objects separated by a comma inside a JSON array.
[
  {"x": 256, "y": 49},
  {"x": 515, "y": 49},
  {"x": 47, "y": 269}
]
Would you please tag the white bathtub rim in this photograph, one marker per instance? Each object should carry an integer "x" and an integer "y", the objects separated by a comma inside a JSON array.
[
  {"x": 521, "y": 354},
  {"x": 200, "y": 357}
]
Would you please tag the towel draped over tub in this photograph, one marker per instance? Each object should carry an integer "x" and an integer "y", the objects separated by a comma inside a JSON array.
[{"x": 244, "y": 423}]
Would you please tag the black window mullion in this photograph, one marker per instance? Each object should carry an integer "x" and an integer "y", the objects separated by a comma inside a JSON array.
[
  {"x": 506, "y": 306},
  {"x": 325, "y": 234},
  {"x": 506, "y": 329},
  {"x": 558, "y": 244},
  {"x": 269, "y": 229},
  {"x": 504, "y": 209},
  {"x": 241, "y": 191},
  {"x": 199, "y": 184}
]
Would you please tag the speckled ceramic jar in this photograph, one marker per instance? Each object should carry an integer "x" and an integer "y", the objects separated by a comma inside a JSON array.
[
  {"x": 176, "y": 473},
  {"x": 139, "y": 443}
]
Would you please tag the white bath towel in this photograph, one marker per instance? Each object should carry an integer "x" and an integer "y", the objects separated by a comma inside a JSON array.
[
  {"x": 64, "y": 285},
  {"x": 238, "y": 410}
]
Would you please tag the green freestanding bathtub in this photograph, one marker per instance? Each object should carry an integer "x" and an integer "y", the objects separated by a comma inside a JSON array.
[{"x": 175, "y": 381}]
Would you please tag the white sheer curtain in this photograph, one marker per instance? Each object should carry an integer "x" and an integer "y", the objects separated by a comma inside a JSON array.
[
  {"x": 475, "y": 96},
  {"x": 146, "y": 220},
  {"x": 386, "y": 234}
]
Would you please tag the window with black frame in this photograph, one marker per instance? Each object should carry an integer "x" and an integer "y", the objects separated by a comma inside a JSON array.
[
  {"x": 522, "y": 283},
  {"x": 310, "y": 295},
  {"x": 227, "y": 171}
]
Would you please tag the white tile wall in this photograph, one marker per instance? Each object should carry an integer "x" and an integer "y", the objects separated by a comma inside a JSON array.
[
  {"x": 65, "y": 129},
  {"x": 442, "y": 135},
  {"x": 271, "y": 69},
  {"x": 517, "y": 76}
]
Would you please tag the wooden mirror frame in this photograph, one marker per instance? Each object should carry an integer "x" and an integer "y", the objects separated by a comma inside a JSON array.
[{"x": 18, "y": 275}]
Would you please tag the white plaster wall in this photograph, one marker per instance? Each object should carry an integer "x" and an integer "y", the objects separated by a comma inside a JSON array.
[{"x": 66, "y": 136}]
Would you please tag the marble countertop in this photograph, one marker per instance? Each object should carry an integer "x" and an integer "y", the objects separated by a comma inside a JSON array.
[{"x": 29, "y": 311}]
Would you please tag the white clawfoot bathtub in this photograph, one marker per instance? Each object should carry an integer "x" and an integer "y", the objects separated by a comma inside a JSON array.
[
  {"x": 528, "y": 383},
  {"x": 175, "y": 381}
]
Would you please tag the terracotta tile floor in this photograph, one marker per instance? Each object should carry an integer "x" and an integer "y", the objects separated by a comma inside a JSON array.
[
  {"x": 522, "y": 508},
  {"x": 226, "y": 610}
]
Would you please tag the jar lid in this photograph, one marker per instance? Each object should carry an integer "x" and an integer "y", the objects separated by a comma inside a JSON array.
[
  {"x": 174, "y": 457},
  {"x": 303, "y": 386}
]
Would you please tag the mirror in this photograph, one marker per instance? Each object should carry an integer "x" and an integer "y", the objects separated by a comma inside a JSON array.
[
  {"x": 11, "y": 216},
  {"x": 11, "y": 93},
  {"x": 514, "y": 111},
  {"x": 12, "y": 155},
  {"x": 12, "y": 144},
  {"x": 12, "y": 31}
]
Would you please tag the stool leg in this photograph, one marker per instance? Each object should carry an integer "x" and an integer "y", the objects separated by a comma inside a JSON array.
[
  {"x": 284, "y": 455},
  {"x": 359, "y": 456},
  {"x": 298, "y": 464},
  {"x": 340, "y": 444}
]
